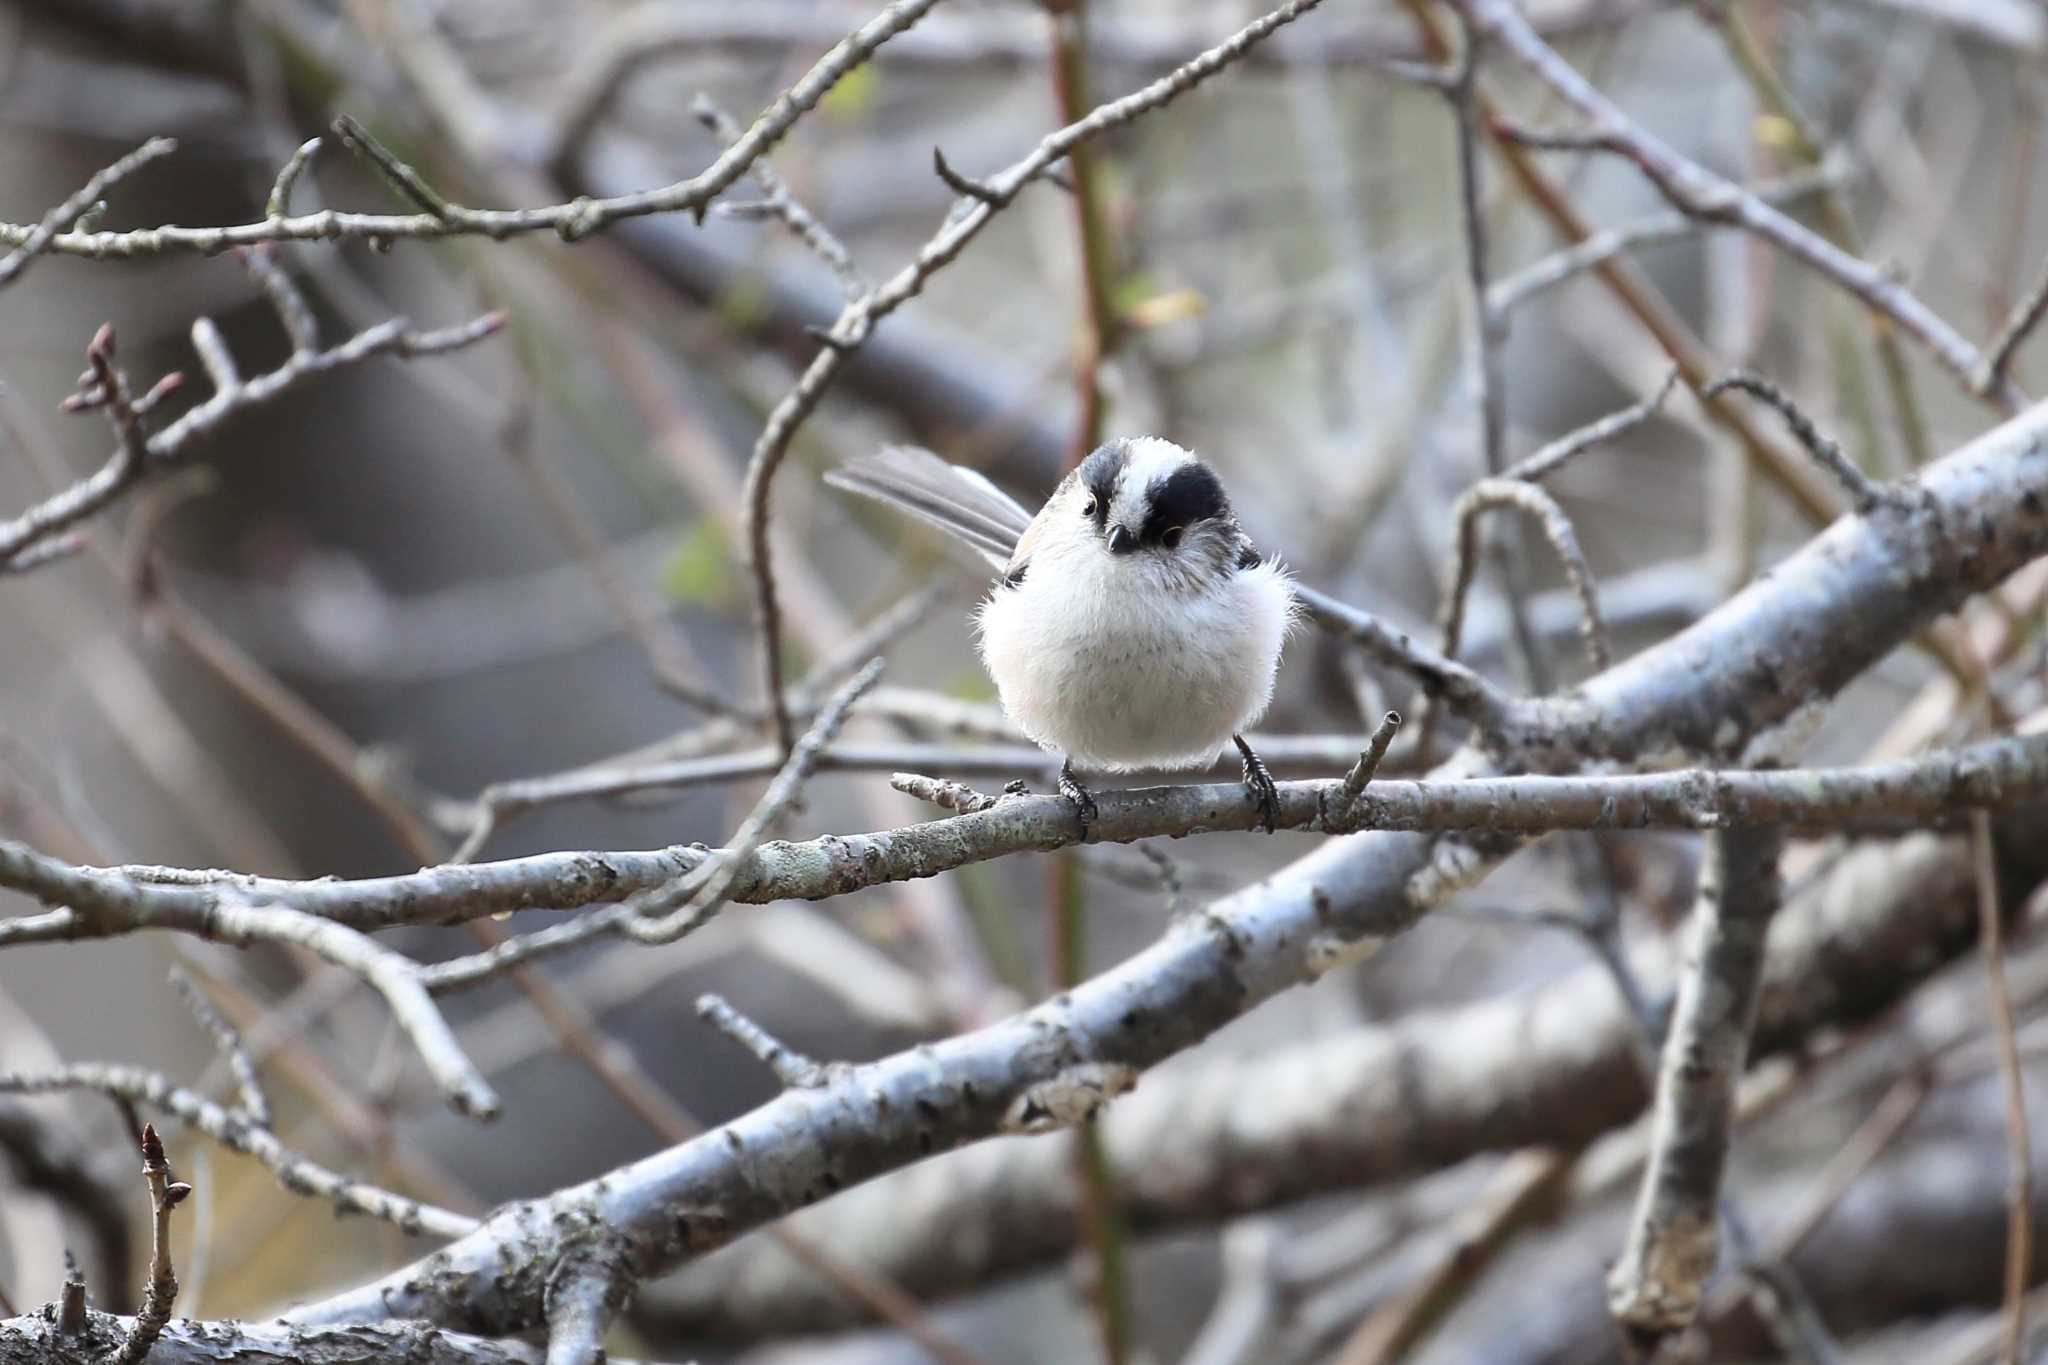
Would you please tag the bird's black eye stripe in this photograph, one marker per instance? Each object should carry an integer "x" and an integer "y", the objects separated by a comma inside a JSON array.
[
  {"x": 1099, "y": 473},
  {"x": 1191, "y": 493}
]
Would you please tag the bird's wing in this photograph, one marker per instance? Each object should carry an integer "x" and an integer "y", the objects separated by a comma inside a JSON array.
[{"x": 944, "y": 495}]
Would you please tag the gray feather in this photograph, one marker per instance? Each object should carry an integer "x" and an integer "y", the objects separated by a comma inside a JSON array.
[{"x": 958, "y": 501}]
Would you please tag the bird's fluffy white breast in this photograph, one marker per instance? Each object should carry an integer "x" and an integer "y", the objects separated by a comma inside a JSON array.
[{"x": 1119, "y": 664}]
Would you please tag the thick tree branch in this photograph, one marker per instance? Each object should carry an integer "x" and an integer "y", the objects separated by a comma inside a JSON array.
[
  {"x": 1361, "y": 1109},
  {"x": 1674, "y": 1241},
  {"x": 34, "y": 1340},
  {"x": 1791, "y": 640}
]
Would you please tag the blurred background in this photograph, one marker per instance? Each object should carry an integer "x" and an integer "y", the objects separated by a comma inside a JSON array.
[{"x": 312, "y": 649}]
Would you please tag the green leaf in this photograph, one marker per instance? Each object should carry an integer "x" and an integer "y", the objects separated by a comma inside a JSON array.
[
  {"x": 699, "y": 571},
  {"x": 854, "y": 96}
]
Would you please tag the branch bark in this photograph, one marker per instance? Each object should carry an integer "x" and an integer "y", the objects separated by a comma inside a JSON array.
[
  {"x": 1371, "y": 1107},
  {"x": 1674, "y": 1238},
  {"x": 1791, "y": 640}
]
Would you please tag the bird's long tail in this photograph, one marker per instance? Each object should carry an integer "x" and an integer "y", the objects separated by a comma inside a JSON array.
[{"x": 956, "y": 500}]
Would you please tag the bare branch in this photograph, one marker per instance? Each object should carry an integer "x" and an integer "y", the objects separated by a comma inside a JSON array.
[
  {"x": 1465, "y": 692},
  {"x": 582, "y": 1300},
  {"x": 409, "y": 183},
  {"x": 790, "y": 1067},
  {"x": 860, "y": 315},
  {"x": 1506, "y": 551},
  {"x": 1865, "y": 493},
  {"x": 1560, "y": 452},
  {"x": 1369, "y": 761},
  {"x": 1539, "y": 506},
  {"x": 390, "y": 974},
  {"x": 35, "y": 241},
  {"x": 235, "y": 1131},
  {"x": 2019, "y": 1250},
  {"x": 1694, "y": 190},
  {"x": 667, "y": 913},
  {"x": 161, "y": 1292},
  {"x": 248, "y": 1086},
  {"x": 1659, "y": 1283},
  {"x": 279, "y": 204},
  {"x": 100, "y": 903},
  {"x": 783, "y": 205},
  {"x": 1511, "y": 291},
  {"x": 572, "y": 221},
  {"x": 952, "y": 796},
  {"x": 2026, "y": 315},
  {"x": 187, "y": 1341},
  {"x": 265, "y": 265},
  {"x": 133, "y": 461}
]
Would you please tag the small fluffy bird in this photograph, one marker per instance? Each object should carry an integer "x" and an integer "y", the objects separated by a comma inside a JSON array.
[{"x": 1133, "y": 625}]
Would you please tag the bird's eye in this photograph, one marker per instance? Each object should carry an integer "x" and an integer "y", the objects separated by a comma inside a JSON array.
[
  {"x": 1170, "y": 538},
  {"x": 1088, "y": 508}
]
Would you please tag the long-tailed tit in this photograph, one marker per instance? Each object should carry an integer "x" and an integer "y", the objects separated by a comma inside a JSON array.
[{"x": 1133, "y": 625}]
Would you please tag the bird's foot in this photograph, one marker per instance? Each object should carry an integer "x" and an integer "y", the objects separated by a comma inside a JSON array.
[
  {"x": 1077, "y": 795},
  {"x": 1259, "y": 782}
]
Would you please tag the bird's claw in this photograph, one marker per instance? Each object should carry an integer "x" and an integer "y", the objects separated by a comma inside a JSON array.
[
  {"x": 1077, "y": 795},
  {"x": 1258, "y": 781}
]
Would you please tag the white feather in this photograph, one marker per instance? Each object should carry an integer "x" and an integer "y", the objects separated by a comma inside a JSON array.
[
  {"x": 1115, "y": 661},
  {"x": 1098, "y": 658}
]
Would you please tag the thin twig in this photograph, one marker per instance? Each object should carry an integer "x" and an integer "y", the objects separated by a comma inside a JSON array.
[
  {"x": 1865, "y": 493},
  {"x": 1506, "y": 551},
  {"x": 161, "y": 1292},
  {"x": 573, "y": 220},
  {"x": 1511, "y": 291},
  {"x": 782, "y": 204},
  {"x": 860, "y": 316},
  {"x": 1835, "y": 216},
  {"x": 2026, "y": 315},
  {"x": 265, "y": 265},
  {"x": 234, "y": 1130},
  {"x": 1693, "y": 189},
  {"x": 2019, "y": 1225},
  {"x": 233, "y": 395},
  {"x": 667, "y": 913},
  {"x": 36, "y": 240},
  {"x": 1465, "y": 692},
  {"x": 1558, "y": 453},
  {"x": 1369, "y": 761},
  {"x": 409, "y": 183},
  {"x": 791, "y": 1067},
  {"x": 248, "y": 1085},
  {"x": 1539, "y": 506},
  {"x": 279, "y": 203}
]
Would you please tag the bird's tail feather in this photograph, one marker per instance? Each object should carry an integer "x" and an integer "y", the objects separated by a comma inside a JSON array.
[{"x": 956, "y": 500}]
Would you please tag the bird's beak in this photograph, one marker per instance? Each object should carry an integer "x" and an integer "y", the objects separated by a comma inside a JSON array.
[{"x": 1121, "y": 541}]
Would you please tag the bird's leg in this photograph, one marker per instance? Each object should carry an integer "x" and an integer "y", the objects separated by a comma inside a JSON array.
[
  {"x": 1259, "y": 782},
  {"x": 1072, "y": 790}
]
